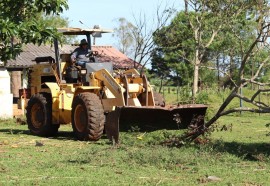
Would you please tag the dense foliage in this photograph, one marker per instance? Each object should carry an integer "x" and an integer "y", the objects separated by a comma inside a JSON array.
[
  {"x": 19, "y": 24},
  {"x": 188, "y": 39}
]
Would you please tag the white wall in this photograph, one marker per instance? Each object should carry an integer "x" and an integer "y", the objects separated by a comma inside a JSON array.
[{"x": 6, "y": 98}]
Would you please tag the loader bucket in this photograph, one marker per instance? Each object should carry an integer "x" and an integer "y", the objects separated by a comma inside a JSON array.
[{"x": 154, "y": 118}]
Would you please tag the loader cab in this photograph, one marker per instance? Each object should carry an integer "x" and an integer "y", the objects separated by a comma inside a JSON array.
[
  {"x": 74, "y": 74},
  {"x": 71, "y": 72}
]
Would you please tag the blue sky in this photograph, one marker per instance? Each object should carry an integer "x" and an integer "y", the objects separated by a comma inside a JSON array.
[{"x": 104, "y": 12}]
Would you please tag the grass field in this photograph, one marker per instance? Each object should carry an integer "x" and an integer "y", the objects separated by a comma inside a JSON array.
[{"x": 237, "y": 154}]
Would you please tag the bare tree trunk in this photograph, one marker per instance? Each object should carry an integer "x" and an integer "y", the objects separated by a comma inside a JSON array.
[
  {"x": 252, "y": 75},
  {"x": 195, "y": 76},
  {"x": 231, "y": 64},
  {"x": 186, "y": 6},
  {"x": 218, "y": 71},
  {"x": 178, "y": 87},
  {"x": 161, "y": 85},
  {"x": 195, "y": 81}
]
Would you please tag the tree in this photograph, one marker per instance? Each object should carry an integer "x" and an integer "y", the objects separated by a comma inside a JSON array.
[
  {"x": 136, "y": 38},
  {"x": 176, "y": 45},
  {"x": 159, "y": 67},
  {"x": 144, "y": 33},
  {"x": 235, "y": 35},
  {"x": 19, "y": 25},
  {"x": 55, "y": 21},
  {"x": 124, "y": 33},
  {"x": 206, "y": 20},
  {"x": 255, "y": 49}
]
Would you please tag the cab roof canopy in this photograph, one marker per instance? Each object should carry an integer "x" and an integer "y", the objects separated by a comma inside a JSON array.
[{"x": 80, "y": 31}]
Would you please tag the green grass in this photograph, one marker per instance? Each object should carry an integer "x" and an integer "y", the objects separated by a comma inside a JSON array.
[{"x": 237, "y": 153}]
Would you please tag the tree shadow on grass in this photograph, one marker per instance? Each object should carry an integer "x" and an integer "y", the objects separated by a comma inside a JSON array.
[
  {"x": 14, "y": 131},
  {"x": 61, "y": 135},
  {"x": 247, "y": 151}
]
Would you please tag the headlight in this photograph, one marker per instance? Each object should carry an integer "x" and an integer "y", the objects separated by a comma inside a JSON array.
[{"x": 83, "y": 71}]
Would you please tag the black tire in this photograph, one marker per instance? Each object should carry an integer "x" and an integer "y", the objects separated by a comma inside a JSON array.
[
  {"x": 159, "y": 99},
  {"x": 39, "y": 116},
  {"x": 88, "y": 117}
]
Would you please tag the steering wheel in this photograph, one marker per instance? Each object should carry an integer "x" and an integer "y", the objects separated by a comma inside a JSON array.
[{"x": 91, "y": 53}]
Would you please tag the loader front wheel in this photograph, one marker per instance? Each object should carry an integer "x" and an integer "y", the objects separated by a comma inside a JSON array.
[
  {"x": 39, "y": 115},
  {"x": 87, "y": 117}
]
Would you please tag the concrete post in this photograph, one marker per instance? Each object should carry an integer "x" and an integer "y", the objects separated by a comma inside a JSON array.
[{"x": 6, "y": 99}]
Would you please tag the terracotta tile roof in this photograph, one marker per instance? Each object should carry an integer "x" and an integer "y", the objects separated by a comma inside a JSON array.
[
  {"x": 108, "y": 53},
  {"x": 105, "y": 54}
]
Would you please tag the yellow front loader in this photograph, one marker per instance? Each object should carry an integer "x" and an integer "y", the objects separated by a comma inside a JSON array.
[{"x": 94, "y": 96}]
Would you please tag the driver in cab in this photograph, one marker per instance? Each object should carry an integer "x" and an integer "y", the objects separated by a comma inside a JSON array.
[{"x": 79, "y": 55}]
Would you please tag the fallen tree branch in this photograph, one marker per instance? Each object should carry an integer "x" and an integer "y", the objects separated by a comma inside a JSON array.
[
  {"x": 255, "y": 103},
  {"x": 245, "y": 109}
]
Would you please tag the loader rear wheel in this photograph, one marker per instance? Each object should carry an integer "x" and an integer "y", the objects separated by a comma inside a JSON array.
[
  {"x": 159, "y": 99},
  {"x": 39, "y": 115},
  {"x": 87, "y": 117}
]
